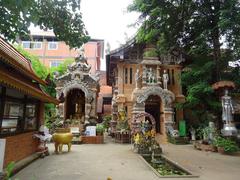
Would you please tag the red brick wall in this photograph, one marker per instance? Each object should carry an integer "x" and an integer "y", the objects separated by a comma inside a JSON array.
[{"x": 19, "y": 146}]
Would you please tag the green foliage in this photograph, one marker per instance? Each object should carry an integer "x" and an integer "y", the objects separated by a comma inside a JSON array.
[
  {"x": 196, "y": 29},
  {"x": 41, "y": 70},
  {"x": 229, "y": 145},
  {"x": 99, "y": 129},
  {"x": 63, "y": 17},
  {"x": 62, "y": 68},
  {"x": 9, "y": 169},
  {"x": 193, "y": 26},
  {"x": 106, "y": 121},
  {"x": 200, "y": 97},
  {"x": 52, "y": 120},
  {"x": 122, "y": 126},
  {"x": 151, "y": 53}
]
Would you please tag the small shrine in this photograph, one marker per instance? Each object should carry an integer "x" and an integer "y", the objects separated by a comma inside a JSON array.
[{"x": 77, "y": 90}]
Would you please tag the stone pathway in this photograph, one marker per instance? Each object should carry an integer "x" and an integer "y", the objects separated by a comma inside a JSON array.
[
  {"x": 89, "y": 162},
  {"x": 209, "y": 165},
  {"x": 97, "y": 162}
]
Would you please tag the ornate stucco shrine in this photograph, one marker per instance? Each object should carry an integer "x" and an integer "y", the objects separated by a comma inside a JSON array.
[
  {"x": 77, "y": 91},
  {"x": 144, "y": 82}
]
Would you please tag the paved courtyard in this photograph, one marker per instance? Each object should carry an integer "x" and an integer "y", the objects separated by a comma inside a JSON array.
[{"x": 97, "y": 162}]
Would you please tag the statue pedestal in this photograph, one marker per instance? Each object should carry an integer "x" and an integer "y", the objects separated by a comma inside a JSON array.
[{"x": 229, "y": 130}]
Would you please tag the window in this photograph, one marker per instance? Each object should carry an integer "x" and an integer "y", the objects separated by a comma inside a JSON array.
[
  {"x": 32, "y": 45},
  {"x": 126, "y": 75},
  {"x": 36, "y": 45},
  {"x": 18, "y": 113},
  {"x": 26, "y": 44},
  {"x": 52, "y": 45},
  {"x": 30, "y": 117},
  {"x": 130, "y": 80},
  {"x": 13, "y": 114},
  {"x": 55, "y": 63}
]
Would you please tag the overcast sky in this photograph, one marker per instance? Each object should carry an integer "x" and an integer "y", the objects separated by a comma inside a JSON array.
[{"x": 108, "y": 20}]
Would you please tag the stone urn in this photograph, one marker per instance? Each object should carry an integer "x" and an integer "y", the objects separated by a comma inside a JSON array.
[{"x": 60, "y": 137}]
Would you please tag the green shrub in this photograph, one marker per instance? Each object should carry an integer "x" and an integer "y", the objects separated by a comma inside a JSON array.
[
  {"x": 151, "y": 53},
  {"x": 228, "y": 144},
  {"x": 106, "y": 121},
  {"x": 99, "y": 129}
]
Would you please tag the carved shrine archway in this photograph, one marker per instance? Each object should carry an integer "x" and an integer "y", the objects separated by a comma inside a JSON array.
[
  {"x": 166, "y": 96},
  {"x": 140, "y": 98}
]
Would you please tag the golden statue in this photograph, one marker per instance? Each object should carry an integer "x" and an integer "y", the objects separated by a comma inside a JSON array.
[{"x": 78, "y": 108}]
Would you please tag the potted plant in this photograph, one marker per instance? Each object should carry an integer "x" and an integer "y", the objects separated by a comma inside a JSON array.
[
  {"x": 99, "y": 129},
  {"x": 225, "y": 145}
]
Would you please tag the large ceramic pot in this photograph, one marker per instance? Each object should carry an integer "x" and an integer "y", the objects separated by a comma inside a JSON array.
[{"x": 62, "y": 137}]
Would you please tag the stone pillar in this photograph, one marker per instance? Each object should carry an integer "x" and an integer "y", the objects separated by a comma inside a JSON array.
[
  {"x": 61, "y": 110},
  {"x": 87, "y": 111},
  {"x": 113, "y": 122},
  {"x": 144, "y": 76},
  {"x": 121, "y": 77},
  {"x": 137, "y": 109},
  {"x": 158, "y": 76},
  {"x": 168, "y": 121},
  {"x": 93, "y": 112}
]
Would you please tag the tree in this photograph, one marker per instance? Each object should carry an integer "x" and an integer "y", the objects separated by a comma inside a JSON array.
[
  {"x": 199, "y": 29},
  {"x": 41, "y": 70},
  {"x": 194, "y": 26},
  {"x": 62, "y": 68},
  {"x": 63, "y": 16}
]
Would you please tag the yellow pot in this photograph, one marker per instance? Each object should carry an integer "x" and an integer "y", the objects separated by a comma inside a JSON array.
[{"x": 62, "y": 138}]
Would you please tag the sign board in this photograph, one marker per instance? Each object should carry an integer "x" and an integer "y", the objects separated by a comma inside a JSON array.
[
  {"x": 75, "y": 130},
  {"x": 2, "y": 151},
  {"x": 91, "y": 130}
]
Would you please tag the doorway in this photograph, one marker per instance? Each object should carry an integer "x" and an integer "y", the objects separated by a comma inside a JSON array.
[{"x": 152, "y": 106}]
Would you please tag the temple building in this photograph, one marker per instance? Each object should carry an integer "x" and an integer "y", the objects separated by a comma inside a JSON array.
[
  {"x": 144, "y": 82},
  {"x": 77, "y": 90},
  {"x": 21, "y": 105}
]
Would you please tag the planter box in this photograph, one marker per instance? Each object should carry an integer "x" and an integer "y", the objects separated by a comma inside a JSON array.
[
  {"x": 122, "y": 137},
  {"x": 178, "y": 140},
  {"x": 92, "y": 139}
]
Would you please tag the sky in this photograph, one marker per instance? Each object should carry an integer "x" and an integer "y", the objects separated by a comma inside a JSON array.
[{"x": 108, "y": 20}]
